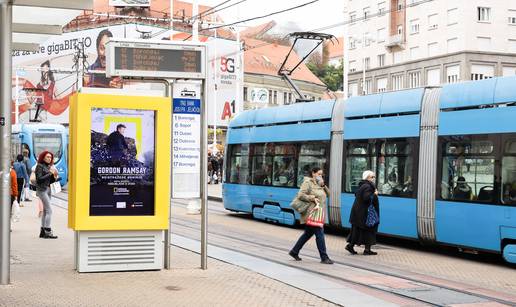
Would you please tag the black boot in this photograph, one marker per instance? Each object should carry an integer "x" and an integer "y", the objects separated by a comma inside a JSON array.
[
  {"x": 350, "y": 249},
  {"x": 42, "y": 232},
  {"x": 49, "y": 234},
  {"x": 368, "y": 251}
]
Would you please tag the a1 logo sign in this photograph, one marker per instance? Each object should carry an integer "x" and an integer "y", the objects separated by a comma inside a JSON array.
[{"x": 228, "y": 111}]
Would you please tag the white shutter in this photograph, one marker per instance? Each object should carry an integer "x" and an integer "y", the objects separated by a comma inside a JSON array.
[{"x": 433, "y": 77}]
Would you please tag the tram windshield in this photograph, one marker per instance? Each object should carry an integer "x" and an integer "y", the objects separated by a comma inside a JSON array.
[{"x": 48, "y": 141}]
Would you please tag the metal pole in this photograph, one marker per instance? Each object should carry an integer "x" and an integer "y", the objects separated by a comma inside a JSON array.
[
  {"x": 5, "y": 140},
  {"x": 169, "y": 91},
  {"x": 345, "y": 60},
  {"x": 203, "y": 177},
  {"x": 215, "y": 66}
]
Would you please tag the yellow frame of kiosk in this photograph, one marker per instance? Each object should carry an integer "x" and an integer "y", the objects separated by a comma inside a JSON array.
[{"x": 79, "y": 218}]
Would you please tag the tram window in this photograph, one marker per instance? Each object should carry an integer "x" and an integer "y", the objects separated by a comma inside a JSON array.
[
  {"x": 468, "y": 169},
  {"x": 16, "y": 146},
  {"x": 262, "y": 163},
  {"x": 239, "y": 164},
  {"x": 395, "y": 166},
  {"x": 360, "y": 157},
  {"x": 48, "y": 141},
  {"x": 509, "y": 173},
  {"x": 310, "y": 156},
  {"x": 284, "y": 165}
]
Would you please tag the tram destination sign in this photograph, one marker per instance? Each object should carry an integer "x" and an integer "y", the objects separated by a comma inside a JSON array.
[{"x": 165, "y": 59}]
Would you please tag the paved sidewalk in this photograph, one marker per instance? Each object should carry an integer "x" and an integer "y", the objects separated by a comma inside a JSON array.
[
  {"x": 43, "y": 275},
  {"x": 215, "y": 192}
]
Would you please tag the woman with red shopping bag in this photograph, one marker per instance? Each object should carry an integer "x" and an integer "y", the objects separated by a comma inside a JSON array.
[{"x": 313, "y": 191}]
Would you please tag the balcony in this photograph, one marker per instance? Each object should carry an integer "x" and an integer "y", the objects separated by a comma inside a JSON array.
[{"x": 395, "y": 41}]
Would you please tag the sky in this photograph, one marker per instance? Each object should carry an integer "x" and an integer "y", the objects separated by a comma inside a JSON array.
[{"x": 314, "y": 16}]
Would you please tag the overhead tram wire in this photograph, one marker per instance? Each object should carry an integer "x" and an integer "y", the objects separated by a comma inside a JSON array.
[
  {"x": 224, "y": 8},
  {"x": 207, "y": 12},
  {"x": 263, "y": 16}
]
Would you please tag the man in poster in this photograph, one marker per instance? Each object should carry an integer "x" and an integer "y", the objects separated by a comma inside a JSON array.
[
  {"x": 122, "y": 163},
  {"x": 116, "y": 144}
]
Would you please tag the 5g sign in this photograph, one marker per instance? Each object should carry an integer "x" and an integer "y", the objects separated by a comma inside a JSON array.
[{"x": 227, "y": 65}]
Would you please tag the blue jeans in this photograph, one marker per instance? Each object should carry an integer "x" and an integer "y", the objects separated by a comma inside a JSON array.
[{"x": 319, "y": 239}]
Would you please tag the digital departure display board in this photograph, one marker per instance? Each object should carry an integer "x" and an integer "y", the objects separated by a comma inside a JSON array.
[
  {"x": 127, "y": 58},
  {"x": 159, "y": 60}
]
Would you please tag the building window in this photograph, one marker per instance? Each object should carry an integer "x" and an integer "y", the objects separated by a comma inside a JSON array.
[
  {"x": 353, "y": 89},
  {"x": 382, "y": 7},
  {"x": 397, "y": 82},
  {"x": 245, "y": 93},
  {"x": 381, "y": 60},
  {"x": 453, "y": 16},
  {"x": 368, "y": 87},
  {"x": 381, "y": 35},
  {"x": 452, "y": 45},
  {"x": 352, "y": 66},
  {"x": 400, "y": 5},
  {"x": 381, "y": 85},
  {"x": 352, "y": 17},
  {"x": 414, "y": 79},
  {"x": 512, "y": 17},
  {"x": 270, "y": 97},
  {"x": 484, "y": 43},
  {"x": 414, "y": 53},
  {"x": 484, "y": 14},
  {"x": 290, "y": 98},
  {"x": 400, "y": 29},
  {"x": 479, "y": 72},
  {"x": 512, "y": 45},
  {"x": 366, "y": 13},
  {"x": 509, "y": 71},
  {"x": 453, "y": 74},
  {"x": 397, "y": 57},
  {"x": 433, "y": 21},
  {"x": 414, "y": 26},
  {"x": 433, "y": 49},
  {"x": 433, "y": 77},
  {"x": 352, "y": 43},
  {"x": 275, "y": 97},
  {"x": 367, "y": 63},
  {"x": 285, "y": 98}
]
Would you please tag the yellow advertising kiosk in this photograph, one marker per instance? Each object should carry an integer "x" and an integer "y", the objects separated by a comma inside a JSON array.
[{"x": 119, "y": 191}]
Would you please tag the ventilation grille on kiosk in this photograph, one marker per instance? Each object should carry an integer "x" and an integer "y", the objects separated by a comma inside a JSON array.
[{"x": 122, "y": 251}]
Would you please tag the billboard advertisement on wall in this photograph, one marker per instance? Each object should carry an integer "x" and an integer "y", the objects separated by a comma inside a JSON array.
[
  {"x": 226, "y": 72},
  {"x": 44, "y": 80},
  {"x": 122, "y": 155}
]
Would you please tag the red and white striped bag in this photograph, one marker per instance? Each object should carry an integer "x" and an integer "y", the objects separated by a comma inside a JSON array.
[{"x": 316, "y": 218}]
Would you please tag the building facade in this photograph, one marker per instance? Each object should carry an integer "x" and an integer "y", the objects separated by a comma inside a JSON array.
[{"x": 411, "y": 43}]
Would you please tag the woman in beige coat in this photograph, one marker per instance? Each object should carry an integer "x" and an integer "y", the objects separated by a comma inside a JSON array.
[{"x": 313, "y": 191}]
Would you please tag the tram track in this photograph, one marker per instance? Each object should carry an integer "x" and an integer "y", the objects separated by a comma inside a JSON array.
[
  {"x": 190, "y": 225},
  {"x": 284, "y": 251}
]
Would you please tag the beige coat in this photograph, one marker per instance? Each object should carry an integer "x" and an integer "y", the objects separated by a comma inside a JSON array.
[{"x": 308, "y": 192}]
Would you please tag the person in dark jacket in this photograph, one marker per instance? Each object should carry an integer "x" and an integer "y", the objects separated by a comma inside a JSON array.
[
  {"x": 360, "y": 233},
  {"x": 22, "y": 177},
  {"x": 116, "y": 143},
  {"x": 46, "y": 174}
]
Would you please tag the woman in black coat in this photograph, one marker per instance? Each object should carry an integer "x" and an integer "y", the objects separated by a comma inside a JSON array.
[{"x": 360, "y": 233}]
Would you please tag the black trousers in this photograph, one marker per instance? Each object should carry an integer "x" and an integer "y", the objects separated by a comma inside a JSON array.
[
  {"x": 319, "y": 239},
  {"x": 21, "y": 183}
]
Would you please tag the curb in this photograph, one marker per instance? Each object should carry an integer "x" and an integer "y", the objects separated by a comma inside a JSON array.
[{"x": 215, "y": 198}]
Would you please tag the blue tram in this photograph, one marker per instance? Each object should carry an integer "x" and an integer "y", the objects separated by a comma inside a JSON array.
[
  {"x": 36, "y": 138},
  {"x": 444, "y": 158}
]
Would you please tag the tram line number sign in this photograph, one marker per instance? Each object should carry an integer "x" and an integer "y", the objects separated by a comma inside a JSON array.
[{"x": 161, "y": 59}]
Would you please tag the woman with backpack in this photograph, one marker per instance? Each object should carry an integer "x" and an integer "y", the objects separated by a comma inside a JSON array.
[
  {"x": 46, "y": 174},
  {"x": 312, "y": 195},
  {"x": 365, "y": 215}
]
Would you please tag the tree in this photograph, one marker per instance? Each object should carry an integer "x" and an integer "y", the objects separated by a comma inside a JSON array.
[{"x": 330, "y": 75}]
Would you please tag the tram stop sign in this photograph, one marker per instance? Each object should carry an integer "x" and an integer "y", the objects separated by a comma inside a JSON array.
[{"x": 156, "y": 60}]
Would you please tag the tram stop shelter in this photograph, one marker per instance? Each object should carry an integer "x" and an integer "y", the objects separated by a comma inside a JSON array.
[{"x": 24, "y": 24}]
